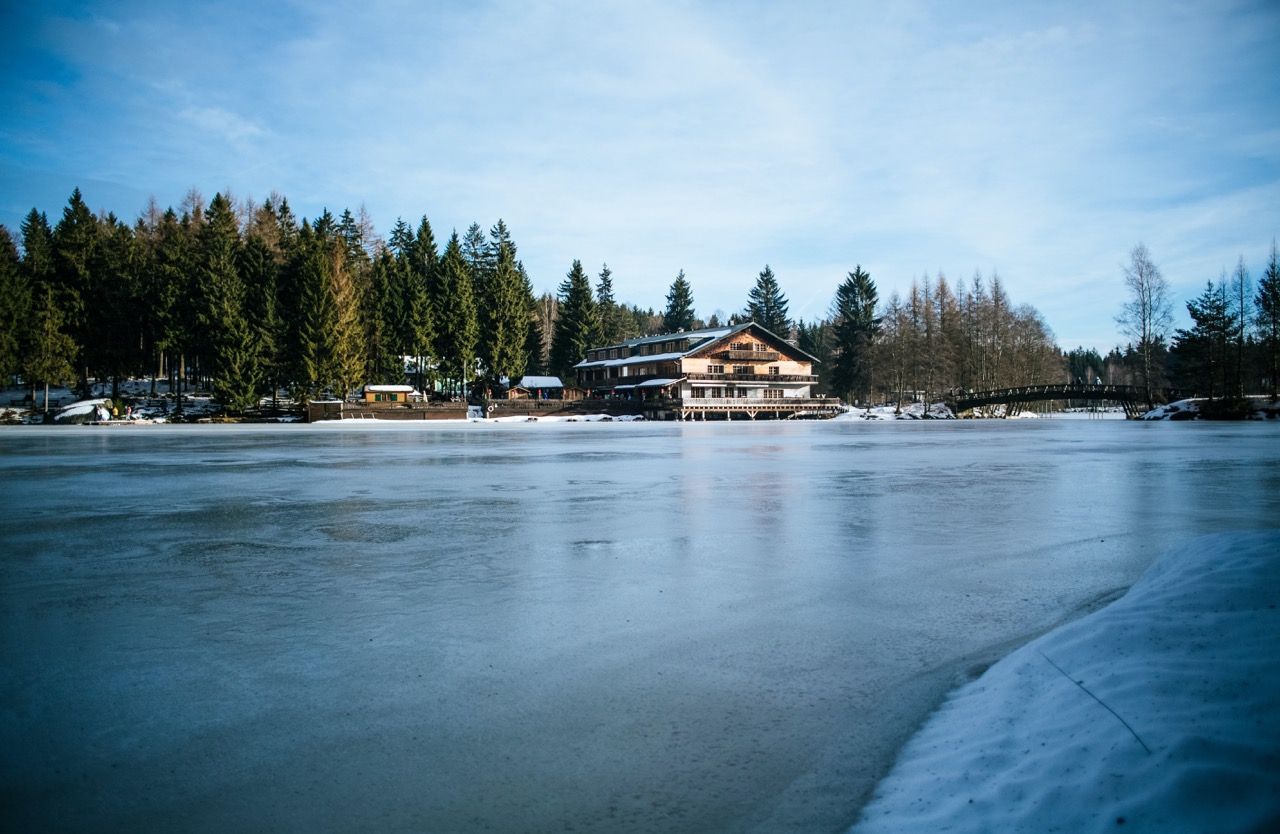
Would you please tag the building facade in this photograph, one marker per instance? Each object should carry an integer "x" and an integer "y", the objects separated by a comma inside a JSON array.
[{"x": 740, "y": 372}]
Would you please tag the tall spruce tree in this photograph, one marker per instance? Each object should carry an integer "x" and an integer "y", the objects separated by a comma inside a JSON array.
[
  {"x": 421, "y": 300},
  {"x": 114, "y": 325},
  {"x": 577, "y": 325},
  {"x": 15, "y": 307},
  {"x": 767, "y": 306},
  {"x": 506, "y": 318},
  {"x": 50, "y": 350},
  {"x": 855, "y": 327},
  {"x": 1201, "y": 353},
  {"x": 456, "y": 326},
  {"x": 260, "y": 273},
  {"x": 679, "y": 314},
  {"x": 613, "y": 319},
  {"x": 74, "y": 240},
  {"x": 1267, "y": 317},
  {"x": 311, "y": 315},
  {"x": 386, "y": 309},
  {"x": 235, "y": 365}
]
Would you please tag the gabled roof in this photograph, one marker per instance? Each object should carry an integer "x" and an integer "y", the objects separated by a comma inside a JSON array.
[
  {"x": 769, "y": 336},
  {"x": 705, "y": 339},
  {"x": 540, "y": 382}
]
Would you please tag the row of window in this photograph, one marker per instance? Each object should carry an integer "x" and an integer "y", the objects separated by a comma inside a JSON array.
[
  {"x": 733, "y": 393},
  {"x": 741, "y": 369}
]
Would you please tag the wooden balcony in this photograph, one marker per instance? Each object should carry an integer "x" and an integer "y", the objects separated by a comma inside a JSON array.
[
  {"x": 748, "y": 355},
  {"x": 810, "y": 378}
]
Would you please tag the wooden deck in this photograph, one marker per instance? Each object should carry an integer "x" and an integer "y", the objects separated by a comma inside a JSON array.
[{"x": 750, "y": 408}]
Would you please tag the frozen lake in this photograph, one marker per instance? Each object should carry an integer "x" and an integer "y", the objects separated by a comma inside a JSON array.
[{"x": 587, "y": 627}]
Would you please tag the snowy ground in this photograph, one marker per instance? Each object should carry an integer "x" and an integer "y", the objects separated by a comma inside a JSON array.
[
  {"x": 1155, "y": 714},
  {"x": 1264, "y": 408},
  {"x": 914, "y": 411}
]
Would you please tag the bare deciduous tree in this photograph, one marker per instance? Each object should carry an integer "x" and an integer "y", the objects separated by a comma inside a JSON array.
[{"x": 1148, "y": 314}]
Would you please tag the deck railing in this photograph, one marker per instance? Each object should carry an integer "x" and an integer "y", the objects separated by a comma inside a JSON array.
[{"x": 811, "y": 378}]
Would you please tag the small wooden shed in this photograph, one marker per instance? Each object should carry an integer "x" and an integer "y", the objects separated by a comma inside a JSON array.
[{"x": 390, "y": 394}]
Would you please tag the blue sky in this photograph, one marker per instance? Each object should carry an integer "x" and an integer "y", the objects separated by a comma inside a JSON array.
[{"x": 1038, "y": 140}]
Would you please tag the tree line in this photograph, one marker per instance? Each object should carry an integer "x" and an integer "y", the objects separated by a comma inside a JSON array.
[
  {"x": 930, "y": 342},
  {"x": 1231, "y": 349},
  {"x": 247, "y": 300}
]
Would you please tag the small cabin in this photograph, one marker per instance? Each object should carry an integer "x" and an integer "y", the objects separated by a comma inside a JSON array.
[
  {"x": 540, "y": 388},
  {"x": 390, "y": 394}
]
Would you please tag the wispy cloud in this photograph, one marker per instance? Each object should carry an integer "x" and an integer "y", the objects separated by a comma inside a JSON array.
[{"x": 1041, "y": 141}]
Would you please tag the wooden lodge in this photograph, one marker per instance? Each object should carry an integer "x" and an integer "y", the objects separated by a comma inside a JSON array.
[{"x": 724, "y": 373}]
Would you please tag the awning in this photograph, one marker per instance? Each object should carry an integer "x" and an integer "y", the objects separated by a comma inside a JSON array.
[
  {"x": 622, "y": 387},
  {"x": 659, "y": 383}
]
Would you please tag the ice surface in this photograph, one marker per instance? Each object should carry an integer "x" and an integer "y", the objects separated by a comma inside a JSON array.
[
  {"x": 1187, "y": 740},
  {"x": 603, "y": 626}
]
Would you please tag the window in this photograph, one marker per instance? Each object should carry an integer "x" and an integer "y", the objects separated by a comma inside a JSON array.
[
  {"x": 742, "y": 369},
  {"x": 773, "y": 393},
  {"x": 760, "y": 346},
  {"x": 715, "y": 369},
  {"x": 773, "y": 370}
]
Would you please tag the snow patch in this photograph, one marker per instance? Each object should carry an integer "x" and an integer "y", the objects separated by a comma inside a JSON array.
[
  {"x": 914, "y": 411},
  {"x": 1156, "y": 713}
]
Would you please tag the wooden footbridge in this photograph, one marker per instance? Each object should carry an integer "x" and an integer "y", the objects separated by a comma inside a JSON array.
[{"x": 1132, "y": 397}]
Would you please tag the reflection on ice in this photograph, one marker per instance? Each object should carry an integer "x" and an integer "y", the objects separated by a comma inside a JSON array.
[{"x": 605, "y": 626}]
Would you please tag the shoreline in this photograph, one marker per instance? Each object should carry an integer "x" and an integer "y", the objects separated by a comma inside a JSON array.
[{"x": 998, "y": 750}]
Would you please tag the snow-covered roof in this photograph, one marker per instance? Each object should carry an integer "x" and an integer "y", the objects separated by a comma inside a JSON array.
[
  {"x": 631, "y": 360},
  {"x": 390, "y": 389},
  {"x": 540, "y": 382}
]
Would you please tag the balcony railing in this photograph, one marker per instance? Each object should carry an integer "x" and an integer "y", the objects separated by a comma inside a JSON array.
[
  {"x": 753, "y": 377},
  {"x": 758, "y": 403},
  {"x": 749, "y": 355}
]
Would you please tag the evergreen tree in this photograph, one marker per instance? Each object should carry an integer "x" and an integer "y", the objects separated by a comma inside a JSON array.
[
  {"x": 260, "y": 273},
  {"x": 347, "y": 349},
  {"x": 312, "y": 315},
  {"x": 235, "y": 367},
  {"x": 421, "y": 299},
  {"x": 1201, "y": 354},
  {"x": 767, "y": 306},
  {"x": 679, "y": 313},
  {"x": 15, "y": 307},
  {"x": 401, "y": 238},
  {"x": 855, "y": 328},
  {"x": 456, "y": 326},
  {"x": 506, "y": 319},
  {"x": 1267, "y": 317},
  {"x": 50, "y": 350},
  {"x": 37, "y": 251},
  {"x": 535, "y": 339},
  {"x": 114, "y": 325},
  {"x": 74, "y": 240},
  {"x": 474, "y": 253},
  {"x": 577, "y": 325},
  {"x": 613, "y": 319},
  {"x": 385, "y": 357}
]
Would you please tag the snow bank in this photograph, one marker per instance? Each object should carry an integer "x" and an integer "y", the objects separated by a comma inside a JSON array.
[
  {"x": 1166, "y": 723},
  {"x": 914, "y": 411},
  {"x": 1263, "y": 408}
]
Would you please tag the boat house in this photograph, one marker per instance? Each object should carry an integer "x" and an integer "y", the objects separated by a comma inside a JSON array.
[{"x": 739, "y": 372}]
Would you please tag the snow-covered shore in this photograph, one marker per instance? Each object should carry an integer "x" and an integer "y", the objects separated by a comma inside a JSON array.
[{"x": 1155, "y": 714}]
